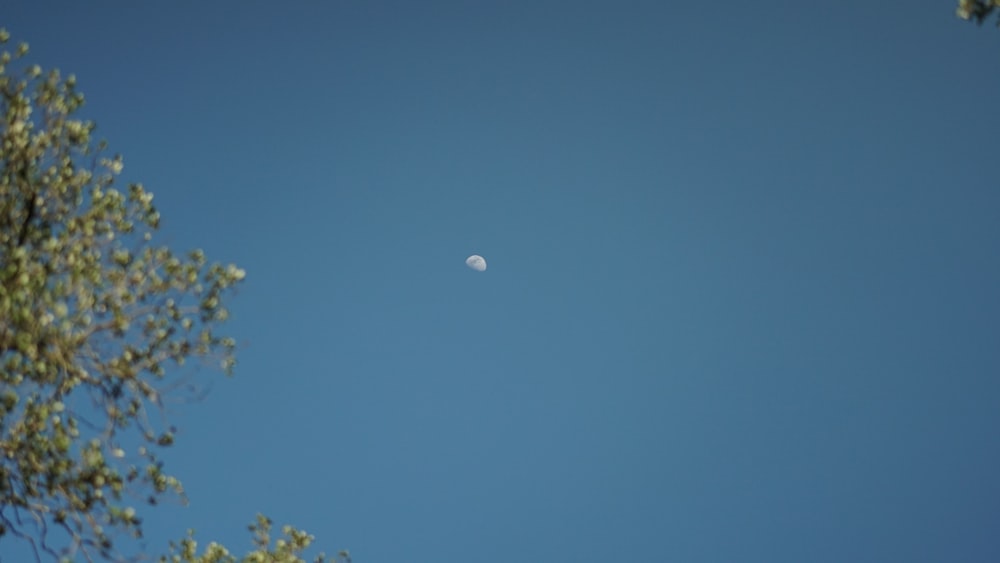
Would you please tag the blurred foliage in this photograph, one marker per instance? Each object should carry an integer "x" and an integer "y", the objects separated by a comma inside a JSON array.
[
  {"x": 287, "y": 549},
  {"x": 96, "y": 322},
  {"x": 977, "y": 10}
]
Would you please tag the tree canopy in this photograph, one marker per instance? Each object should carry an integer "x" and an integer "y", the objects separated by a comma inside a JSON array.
[{"x": 97, "y": 323}]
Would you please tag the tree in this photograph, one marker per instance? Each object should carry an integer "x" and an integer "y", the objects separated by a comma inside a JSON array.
[
  {"x": 977, "y": 10},
  {"x": 96, "y": 324}
]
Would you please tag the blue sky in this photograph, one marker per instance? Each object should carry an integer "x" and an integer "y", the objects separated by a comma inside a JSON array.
[{"x": 743, "y": 296}]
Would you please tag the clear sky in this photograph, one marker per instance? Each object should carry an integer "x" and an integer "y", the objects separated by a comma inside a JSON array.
[{"x": 743, "y": 296}]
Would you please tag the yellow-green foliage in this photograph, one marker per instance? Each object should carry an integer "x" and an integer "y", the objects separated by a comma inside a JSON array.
[
  {"x": 287, "y": 549},
  {"x": 94, "y": 320}
]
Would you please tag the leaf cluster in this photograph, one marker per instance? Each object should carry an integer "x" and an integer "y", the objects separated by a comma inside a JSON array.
[
  {"x": 93, "y": 318},
  {"x": 977, "y": 10},
  {"x": 288, "y": 548}
]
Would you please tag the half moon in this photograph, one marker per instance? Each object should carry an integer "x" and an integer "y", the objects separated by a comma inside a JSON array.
[{"x": 476, "y": 262}]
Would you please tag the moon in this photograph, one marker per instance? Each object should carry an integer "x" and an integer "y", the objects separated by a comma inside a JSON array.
[{"x": 476, "y": 262}]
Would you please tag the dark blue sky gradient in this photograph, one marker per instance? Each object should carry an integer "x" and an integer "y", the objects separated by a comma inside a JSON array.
[{"x": 743, "y": 296}]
